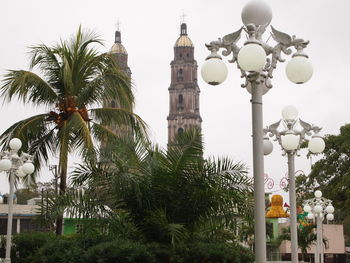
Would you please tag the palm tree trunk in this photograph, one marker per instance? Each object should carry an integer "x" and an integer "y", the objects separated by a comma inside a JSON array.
[
  {"x": 63, "y": 183},
  {"x": 304, "y": 255},
  {"x": 63, "y": 167}
]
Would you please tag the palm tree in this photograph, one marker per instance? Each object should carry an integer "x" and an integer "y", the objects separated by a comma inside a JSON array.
[
  {"x": 171, "y": 195},
  {"x": 74, "y": 78}
]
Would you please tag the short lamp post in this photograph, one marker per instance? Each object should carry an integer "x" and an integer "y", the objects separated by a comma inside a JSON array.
[
  {"x": 256, "y": 61},
  {"x": 290, "y": 139},
  {"x": 317, "y": 207},
  {"x": 19, "y": 166}
]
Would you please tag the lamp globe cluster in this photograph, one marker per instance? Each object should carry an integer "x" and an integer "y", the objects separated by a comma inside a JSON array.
[
  {"x": 252, "y": 56},
  {"x": 291, "y": 141},
  {"x": 6, "y": 164},
  {"x": 317, "y": 208}
]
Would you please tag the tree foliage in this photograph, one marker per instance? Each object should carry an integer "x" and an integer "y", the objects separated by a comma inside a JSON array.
[
  {"x": 73, "y": 79},
  {"x": 170, "y": 195},
  {"x": 331, "y": 175}
]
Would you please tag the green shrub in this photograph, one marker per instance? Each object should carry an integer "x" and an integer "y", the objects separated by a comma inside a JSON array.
[
  {"x": 60, "y": 250},
  {"x": 218, "y": 252},
  {"x": 48, "y": 248},
  {"x": 119, "y": 251},
  {"x": 26, "y": 245}
]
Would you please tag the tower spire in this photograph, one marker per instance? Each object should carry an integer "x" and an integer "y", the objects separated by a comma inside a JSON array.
[
  {"x": 118, "y": 38},
  {"x": 182, "y": 17},
  {"x": 183, "y": 27}
]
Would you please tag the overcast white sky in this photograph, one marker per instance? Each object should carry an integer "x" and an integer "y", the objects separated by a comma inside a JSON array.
[{"x": 149, "y": 31}]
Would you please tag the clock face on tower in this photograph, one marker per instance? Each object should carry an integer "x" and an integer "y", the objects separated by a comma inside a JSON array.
[{"x": 183, "y": 90}]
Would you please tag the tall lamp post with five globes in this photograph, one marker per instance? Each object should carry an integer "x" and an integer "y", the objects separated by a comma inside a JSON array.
[
  {"x": 290, "y": 139},
  {"x": 14, "y": 165},
  {"x": 318, "y": 207},
  {"x": 256, "y": 61}
]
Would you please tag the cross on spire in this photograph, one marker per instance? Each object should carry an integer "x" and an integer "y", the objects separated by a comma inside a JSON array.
[
  {"x": 117, "y": 25},
  {"x": 182, "y": 17}
]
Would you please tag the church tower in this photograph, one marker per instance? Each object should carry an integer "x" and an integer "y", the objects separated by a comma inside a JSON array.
[
  {"x": 119, "y": 54},
  {"x": 183, "y": 90}
]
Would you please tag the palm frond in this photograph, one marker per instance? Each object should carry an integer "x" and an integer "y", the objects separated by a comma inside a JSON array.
[
  {"x": 122, "y": 119},
  {"x": 37, "y": 135},
  {"x": 81, "y": 139},
  {"x": 28, "y": 87},
  {"x": 185, "y": 151}
]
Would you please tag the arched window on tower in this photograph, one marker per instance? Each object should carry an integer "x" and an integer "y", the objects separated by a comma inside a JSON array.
[
  {"x": 181, "y": 99},
  {"x": 180, "y": 75},
  {"x": 180, "y": 131},
  {"x": 180, "y": 102}
]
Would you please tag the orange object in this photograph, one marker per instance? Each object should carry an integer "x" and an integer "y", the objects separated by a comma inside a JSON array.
[{"x": 276, "y": 210}]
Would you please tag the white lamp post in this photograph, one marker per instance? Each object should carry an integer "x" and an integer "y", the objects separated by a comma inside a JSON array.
[
  {"x": 256, "y": 60},
  {"x": 318, "y": 207},
  {"x": 290, "y": 140},
  {"x": 14, "y": 165}
]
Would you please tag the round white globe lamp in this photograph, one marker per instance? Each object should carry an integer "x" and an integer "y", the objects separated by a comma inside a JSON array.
[
  {"x": 28, "y": 168},
  {"x": 289, "y": 113},
  {"x": 214, "y": 71},
  {"x": 5, "y": 164},
  {"x": 251, "y": 57},
  {"x": 318, "y": 194},
  {"x": 299, "y": 69},
  {"x": 268, "y": 146},
  {"x": 330, "y": 217},
  {"x": 290, "y": 142},
  {"x": 257, "y": 13},
  {"x": 330, "y": 209},
  {"x": 316, "y": 145},
  {"x": 15, "y": 144}
]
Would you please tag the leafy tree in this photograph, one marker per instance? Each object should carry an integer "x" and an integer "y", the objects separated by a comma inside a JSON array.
[
  {"x": 74, "y": 77},
  {"x": 331, "y": 175}
]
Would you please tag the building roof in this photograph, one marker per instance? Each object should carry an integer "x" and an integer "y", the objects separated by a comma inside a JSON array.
[
  {"x": 20, "y": 210},
  {"x": 183, "y": 40},
  {"x": 118, "y": 48}
]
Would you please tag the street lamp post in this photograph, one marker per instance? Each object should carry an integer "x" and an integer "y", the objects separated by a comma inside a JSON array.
[
  {"x": 256, "y": 60},
  {"x": 318, "y": 207},
  {"x": 19, "y": 166},
  {"x": 291, "y": 139}
]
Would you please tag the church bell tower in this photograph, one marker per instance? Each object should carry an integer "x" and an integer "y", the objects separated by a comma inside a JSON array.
[{"x": 183, "y": 90}]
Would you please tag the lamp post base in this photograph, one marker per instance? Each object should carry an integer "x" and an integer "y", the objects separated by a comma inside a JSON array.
[{"x": 7, "y": 260}]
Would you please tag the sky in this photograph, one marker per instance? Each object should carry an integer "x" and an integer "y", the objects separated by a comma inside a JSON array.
[{"x": 149, "y": 30}]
